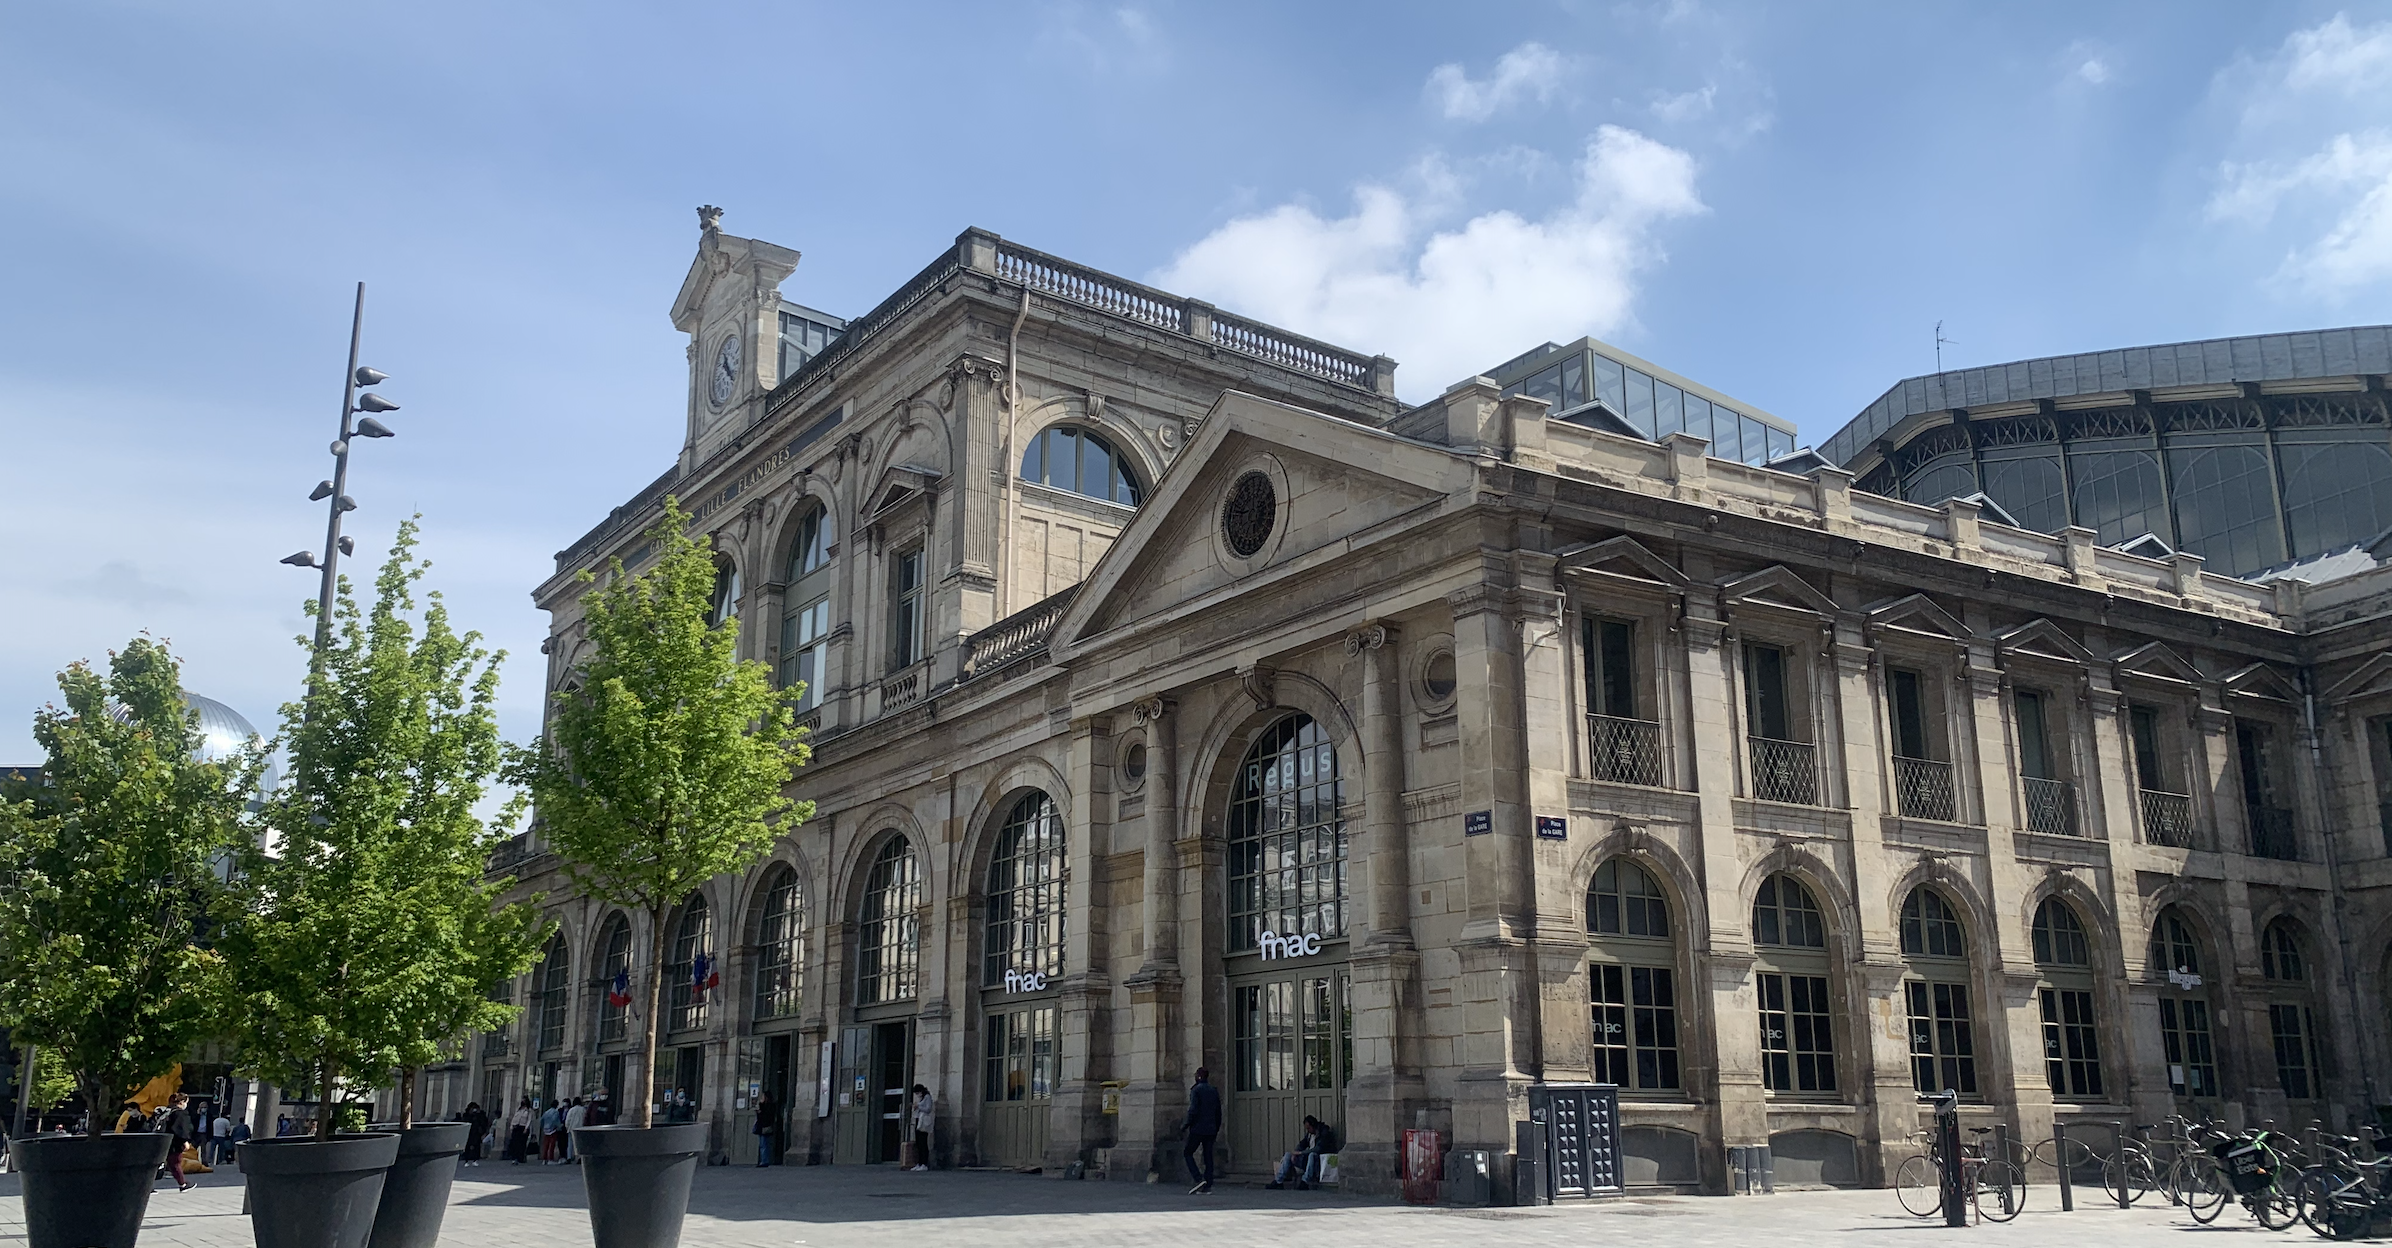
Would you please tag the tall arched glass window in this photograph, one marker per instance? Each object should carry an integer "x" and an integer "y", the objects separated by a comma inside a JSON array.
[
  {"x": 614, "y": 973},
  {"x": 690, "y": 965},
  {"x": 2185, "y": 1043},
  {"x": 1789, "y": 936},
  {"x": 1632, "y": 982},
  {"x": 806, "y": 608},
  {"x": 555, "y": 988},
  {"x": 1943, "y": 1041},
  {"x": 780, "y": 939},
  {"x": 889, "y": 940},
  {"x": 811, "y": 550},
  {"x": 2071, "y": 1038},
  {"x": 1025, "y": 894},
  {"x": 2291, "y": 1022},
  {"x": 1287, "y": 839},
  {"x": 1082, "y": 462}
]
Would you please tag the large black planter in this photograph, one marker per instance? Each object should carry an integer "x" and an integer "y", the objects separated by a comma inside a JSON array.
[
  {"x": 305, "y": 1194},
  {"x": 87, "y": 1191},
  {"x": 415, "y": 1191},
  {"x": 638, "y": 1181}
]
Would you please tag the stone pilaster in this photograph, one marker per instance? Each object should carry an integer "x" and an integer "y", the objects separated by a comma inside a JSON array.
[
  {"x": 1386, "y": 1084},
  {"x": 1152, "y": 1098}
]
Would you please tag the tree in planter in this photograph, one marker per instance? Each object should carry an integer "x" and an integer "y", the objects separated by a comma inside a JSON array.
[
  {"x": 113, "y": 861},
  {"x": 366, "y": 922},
  {"x": 666, "y": 767}
]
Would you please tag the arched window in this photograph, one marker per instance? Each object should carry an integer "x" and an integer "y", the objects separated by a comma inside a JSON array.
[
  {"x": 1025, "y": 895},
  {"x": 1943, "y": 1042},
  {"x": 1632, "y": 984},
  {"x": 2291, "y": 1023},
  {"x": 888, "y": 941},
  {"x": 1076, "y": 460},
  {"x": 780, "y": 937},
  {"x": 811, "y": 552},
  {"x": 724, "y": 606},
  {"x": 2185, "y": 1043},
  {"x": 2071, "y": 1040},
  {"x": 1287, "y": 840},
  {"x": 614, "y": 978},
  {"x": 690, "y": 974},
  {"x": 555, "y": 989},
  {"x": 1797, "y": 1021}
]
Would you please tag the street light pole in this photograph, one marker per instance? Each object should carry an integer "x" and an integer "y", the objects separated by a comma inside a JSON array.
[
  {"x": 336, "y": 489},
  {"x": 340, "y": 478}
]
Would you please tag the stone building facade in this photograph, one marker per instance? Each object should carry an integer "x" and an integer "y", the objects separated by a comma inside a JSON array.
[{"x": 1181, "y": 699}]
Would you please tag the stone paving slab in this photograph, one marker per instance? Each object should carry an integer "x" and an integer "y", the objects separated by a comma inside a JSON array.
[{"x": 505, "y": 1206}]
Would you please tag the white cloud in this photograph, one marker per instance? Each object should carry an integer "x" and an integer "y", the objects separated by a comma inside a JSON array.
[
  {"x": 2317, "y": 99},
  {"x": 1456, "y": 301},
  {"x": 2094, "y": 71},
  {"x": 1530, "y": 70},
  {"x": 120, "y": 583},
  {"x": 1685, "y": 106}
]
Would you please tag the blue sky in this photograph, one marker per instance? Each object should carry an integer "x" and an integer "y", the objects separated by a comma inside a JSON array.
[{"x": 1780, "y": 201}]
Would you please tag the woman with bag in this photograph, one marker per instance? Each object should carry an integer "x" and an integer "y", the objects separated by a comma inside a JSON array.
[
  {"x": 519, "y": 1132},
  {"x": 477, "y": 1130}
]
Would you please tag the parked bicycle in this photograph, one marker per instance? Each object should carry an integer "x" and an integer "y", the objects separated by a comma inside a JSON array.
[
  {"x": 1995, "y": 1187},
  {"x": 2341, "y": 1196},
  {"x": 2250, "y": 1168}
]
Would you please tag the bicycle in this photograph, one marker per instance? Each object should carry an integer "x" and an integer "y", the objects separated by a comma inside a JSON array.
[
  {"x": 2248, "y": 1168},
  {"x": 1918, "y": 1181},
  {"x": 2341, "y": 1196}
]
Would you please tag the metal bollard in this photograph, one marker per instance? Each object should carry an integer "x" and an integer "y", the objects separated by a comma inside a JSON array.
[
  {"x": 2118, "y": 1150},
  {"x": 2059, "y": 1152}
]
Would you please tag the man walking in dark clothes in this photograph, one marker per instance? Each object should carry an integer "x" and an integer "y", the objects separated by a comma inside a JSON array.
[{"x": 1202, "y": 1124}]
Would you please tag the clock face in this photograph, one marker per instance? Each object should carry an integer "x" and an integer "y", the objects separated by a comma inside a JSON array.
[{"x": 726, "y": 371}]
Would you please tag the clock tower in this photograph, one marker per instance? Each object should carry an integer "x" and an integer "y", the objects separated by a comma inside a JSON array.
[{"x": 729, "y": 306}]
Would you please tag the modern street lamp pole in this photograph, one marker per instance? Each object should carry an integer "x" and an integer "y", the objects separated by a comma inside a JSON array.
[{"x": 336, "y": 489}]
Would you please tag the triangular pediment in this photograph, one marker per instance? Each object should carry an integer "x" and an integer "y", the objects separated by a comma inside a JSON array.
[
  {"x": 1335, "y": 488},
  {"x": 2043, "y": 639},
  {"x": 2373, "y": 676},
  {"x": 2263, "y": 680},
  {"x": 2155, "y": 659},
  {"x": 1776, "y": 586},
  {"x": 1623, "y": 557},
  {"x": 898, "y": 483},
  {"x": 1916, "y": 613}
]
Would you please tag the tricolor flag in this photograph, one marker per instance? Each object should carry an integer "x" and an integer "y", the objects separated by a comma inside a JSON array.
[
  {"x": 702, "y": 977},
  {"x": 618, "y": 993}
]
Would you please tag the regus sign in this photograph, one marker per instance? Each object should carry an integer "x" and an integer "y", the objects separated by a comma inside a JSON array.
[{"x": 1274, "y": 946}]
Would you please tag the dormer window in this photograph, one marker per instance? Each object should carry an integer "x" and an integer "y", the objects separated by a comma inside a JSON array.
[{"x": 1072, "y": 459}]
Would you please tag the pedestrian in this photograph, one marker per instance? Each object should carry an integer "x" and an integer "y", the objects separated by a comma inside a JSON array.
[
  {"x": 130, "y": 1118},
  {"x": 602, "y": 1112},
  {"x": 577, "y": 1115},
  {"x": 477, "y": 1132},
  {"x": 924, "y": 1110},
  {"x": 220, "y": 1134},
  {"x": 282, "y": 1125},
  {"x": 767, "y": 1128},
  {"x": 176, "y": 1125},
  {"x": 552, "y": 1126},
  {"x": 240, "y": 1137},
  {"x": 519, "y": 1132},
  {"x": 1202, "y": 1124}
]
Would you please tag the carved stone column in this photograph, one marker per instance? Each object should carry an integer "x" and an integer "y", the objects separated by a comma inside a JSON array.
[
  {"x": 1386, "y": 1084},
  {"x": 1498, "y": 981},
  {"x": 1151, "y": 1096}
]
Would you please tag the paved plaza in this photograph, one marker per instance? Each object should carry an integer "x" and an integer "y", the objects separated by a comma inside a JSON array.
[{"x": 833, "y": 1207}]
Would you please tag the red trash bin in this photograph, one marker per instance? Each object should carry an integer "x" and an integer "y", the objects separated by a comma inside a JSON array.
[{"x": 1424, "y": 1165}]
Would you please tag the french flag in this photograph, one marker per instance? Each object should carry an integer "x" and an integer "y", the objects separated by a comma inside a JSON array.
[
  {"x": 702, "y": 976},
  {"x": 618, "y": 993}
]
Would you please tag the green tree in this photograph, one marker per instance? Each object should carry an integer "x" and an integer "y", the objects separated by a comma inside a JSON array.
[
  {"x": 665, "y": 768},
  {"x": 113, "y": 859},
  {"x": 366, "y": 935}
]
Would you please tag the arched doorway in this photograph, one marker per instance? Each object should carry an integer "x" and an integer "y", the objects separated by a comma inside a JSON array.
[
  {"x": 1022, "y": 973},
  {"x": 1290, "y": 1000},
  {"x": 876, "y": 1051}
]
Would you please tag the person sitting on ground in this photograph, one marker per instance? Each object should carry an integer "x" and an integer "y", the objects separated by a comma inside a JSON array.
[{"x": 1304, "y": 1161}]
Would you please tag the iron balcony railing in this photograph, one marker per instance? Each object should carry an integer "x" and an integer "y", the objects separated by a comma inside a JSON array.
[
  {"x": 2051, "y": 807},
  {"x": 1785, "y": 771},
  {"x": 2167, "y": 819},
  {"x": 1624, "y": 751},
  {"x": 1923, "y": 789},
  {"x": 2272, "y": 834}
]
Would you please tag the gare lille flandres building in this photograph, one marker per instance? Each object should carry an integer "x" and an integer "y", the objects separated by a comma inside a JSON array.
[{"x": 1180, "y": 698}]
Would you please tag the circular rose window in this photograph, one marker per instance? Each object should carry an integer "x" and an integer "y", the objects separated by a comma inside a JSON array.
[{"x": 1249, "y": 514}]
